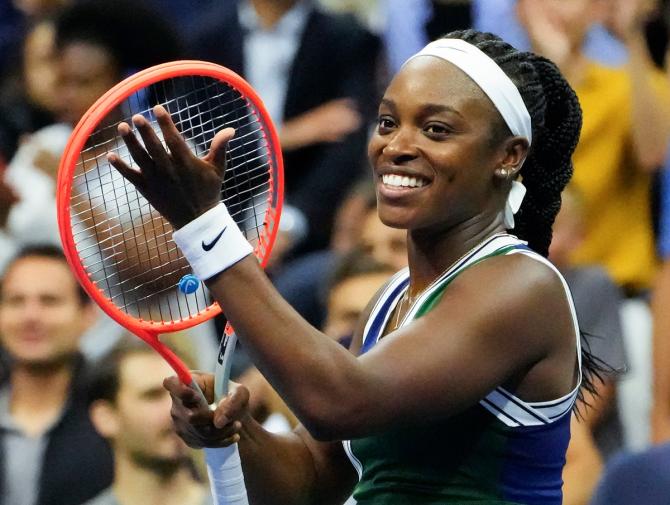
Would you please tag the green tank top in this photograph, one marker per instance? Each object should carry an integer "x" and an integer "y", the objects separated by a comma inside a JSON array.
[{"x": 501, "y": 451}]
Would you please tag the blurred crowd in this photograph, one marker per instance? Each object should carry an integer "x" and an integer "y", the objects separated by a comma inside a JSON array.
[{"x": 83, "y": 416}]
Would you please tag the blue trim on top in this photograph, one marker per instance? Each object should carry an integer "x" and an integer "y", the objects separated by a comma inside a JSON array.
[
  {"x": 371, "y": 337},
  {"x": 521, "y": 404}
]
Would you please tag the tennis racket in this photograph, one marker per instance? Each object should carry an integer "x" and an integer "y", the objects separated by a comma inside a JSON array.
[{"x": 121, "y": 249}]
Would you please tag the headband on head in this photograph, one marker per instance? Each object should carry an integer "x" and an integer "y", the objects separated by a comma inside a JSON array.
[
  {"x": 489, "y": 77},
  {"x": 501, "y": 91}
]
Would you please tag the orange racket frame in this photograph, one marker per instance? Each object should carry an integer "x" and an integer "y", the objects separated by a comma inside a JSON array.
[{"x": 150, "y": 330}]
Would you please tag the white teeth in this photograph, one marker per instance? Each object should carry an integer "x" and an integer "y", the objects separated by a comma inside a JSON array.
[{"x": 402, "y": 181}]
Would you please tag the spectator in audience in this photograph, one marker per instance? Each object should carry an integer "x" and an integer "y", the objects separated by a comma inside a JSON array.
[
  {"x": 639, "y": 478},
  {"x": 17, "y": 17},
  {"x": 597, "y": 302},
  {"x": 131, "y": 409},
  {"x": 411, "y": 24},
  {"x": 386, "y": 245},
  {"x": 660, "y": 418},
  {"x": 500, "y": 17},
  {"x": 625, "y": 132},
  {"x": 355, "y": 280},
  {"x": 301, "y": 281},
  {"x": 93, "y": 52},
  {"x": 315, "y": 72},
  {"x": 583, "y": 464},
  {"x": 50, "y": 452},
  {"x": 596, "y": 428},
  {"x": 28, "y": 97}
]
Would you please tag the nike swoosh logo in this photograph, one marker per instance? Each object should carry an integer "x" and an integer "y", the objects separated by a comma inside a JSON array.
[{"x": 208, "y": 247}]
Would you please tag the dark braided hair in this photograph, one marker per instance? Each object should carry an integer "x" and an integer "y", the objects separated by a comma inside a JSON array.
[{"x": 556, "y": 119}]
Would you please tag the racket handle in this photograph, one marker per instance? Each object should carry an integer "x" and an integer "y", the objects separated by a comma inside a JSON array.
[{"x": 225, "y": 475}]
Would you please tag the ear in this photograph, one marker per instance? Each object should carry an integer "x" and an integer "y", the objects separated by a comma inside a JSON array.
[
  {"x": 513, "y": 152},
  {"x": 104, "y": 418}
]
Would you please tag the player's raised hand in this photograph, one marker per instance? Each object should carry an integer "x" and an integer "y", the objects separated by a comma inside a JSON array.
[{"x": 180, "y": 185}]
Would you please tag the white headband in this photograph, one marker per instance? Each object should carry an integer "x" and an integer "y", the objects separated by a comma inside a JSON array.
[
  {"x": 502, "y": 92},
  {"x": 489, "y": 77}
]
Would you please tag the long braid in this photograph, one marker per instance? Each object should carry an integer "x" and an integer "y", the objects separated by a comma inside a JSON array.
[
  {"x": 556, "y": 118},
  {"x": 549, "y": 166}
]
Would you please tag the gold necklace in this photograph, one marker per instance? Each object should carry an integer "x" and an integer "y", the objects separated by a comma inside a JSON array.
[{"x": 406, "y": 296}]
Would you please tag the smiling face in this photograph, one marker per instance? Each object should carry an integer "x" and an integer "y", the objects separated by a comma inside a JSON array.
[
  {"x": 433, "y": 153},
  {"x": 42, "y": 316}
]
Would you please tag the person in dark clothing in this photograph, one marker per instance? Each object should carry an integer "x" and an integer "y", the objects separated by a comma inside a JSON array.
[
  {"x": 316, "y": 73},
  {"x": 50, "y": 454}
]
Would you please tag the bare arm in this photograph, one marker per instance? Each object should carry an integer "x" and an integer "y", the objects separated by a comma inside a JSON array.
[
  {"x": 661, "y": 403},
  {"x": 650, "y": 111},
  {"x": 583, "y": 465}
]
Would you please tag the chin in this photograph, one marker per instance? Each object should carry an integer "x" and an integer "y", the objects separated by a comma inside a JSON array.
[
  {"x": 395, "y": 218},
  {"x": 42, "y": 361},
  {"x": 164, "y": 464}
]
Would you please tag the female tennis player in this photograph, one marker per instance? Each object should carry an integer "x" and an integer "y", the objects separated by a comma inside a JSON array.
[{"x": 463, "y": 373}]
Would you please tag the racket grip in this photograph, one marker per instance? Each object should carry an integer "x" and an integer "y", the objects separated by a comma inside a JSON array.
[{"x": 225, "y": 475}]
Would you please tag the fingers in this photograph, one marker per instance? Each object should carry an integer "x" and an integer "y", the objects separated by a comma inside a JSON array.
[
  {"x": 193, "y": 421},
  {"x": 133, "y": 176},
  {"x": 134, "y": 146},
  {"x": 218, "y": 149},
  {"x": 206, "y": 383},
  {"x": 232, "y": 407},
  {"x": 186, "y": 394},
  {"x": 173, "y": 138},
  {"x": 152, "y": 143}
]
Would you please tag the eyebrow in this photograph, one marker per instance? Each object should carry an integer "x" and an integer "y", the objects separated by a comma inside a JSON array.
[{"x": 426, "y": 109}]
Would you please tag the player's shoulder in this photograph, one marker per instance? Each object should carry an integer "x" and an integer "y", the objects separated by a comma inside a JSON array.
[{"x": 525, "y": 277}]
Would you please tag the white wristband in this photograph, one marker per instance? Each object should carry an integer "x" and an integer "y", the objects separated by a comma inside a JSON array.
[{"x": 212, "y": 242}]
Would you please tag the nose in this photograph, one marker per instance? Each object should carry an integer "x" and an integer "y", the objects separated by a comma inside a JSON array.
[{"x": 401, "y": 145}]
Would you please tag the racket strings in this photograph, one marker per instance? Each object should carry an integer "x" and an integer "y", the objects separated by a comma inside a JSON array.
[
  {"x": 124, "y": 244},
  {"x": 260, "y": 171}
]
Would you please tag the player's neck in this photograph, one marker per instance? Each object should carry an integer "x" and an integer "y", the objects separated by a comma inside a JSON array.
[
  {"x": 432, "y": 253},
  {"x": 271, "y": 11},
  {"x": 37, "y": 398},
  {"x": 136, "y": 484}
]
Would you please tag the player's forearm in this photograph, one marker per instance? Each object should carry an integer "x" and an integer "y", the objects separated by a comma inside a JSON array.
[{"x": 318, "y": 378}]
